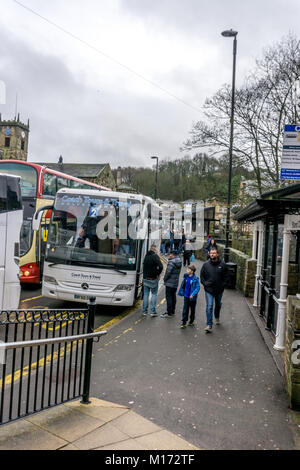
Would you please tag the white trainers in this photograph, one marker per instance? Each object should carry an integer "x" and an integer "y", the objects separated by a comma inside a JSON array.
[{"x": 208, "y": 329}]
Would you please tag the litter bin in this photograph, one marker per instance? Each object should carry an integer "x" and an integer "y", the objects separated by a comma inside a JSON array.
[{"x": 232, "y": 271}]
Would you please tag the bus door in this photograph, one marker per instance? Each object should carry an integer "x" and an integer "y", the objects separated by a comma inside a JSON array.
[
  {"x": 142, "y": 249},
  {"x": 44, "y": 231}
]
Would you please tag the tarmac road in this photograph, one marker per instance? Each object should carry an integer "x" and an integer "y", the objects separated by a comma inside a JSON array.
[
  {"x": 218, "y": 391},
  {"x": 31, "y": 298}
]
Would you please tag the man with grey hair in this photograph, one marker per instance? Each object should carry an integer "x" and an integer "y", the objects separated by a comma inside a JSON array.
[
  {"x": 171, "y": 281},
  {"x": 151, "y": 273}
]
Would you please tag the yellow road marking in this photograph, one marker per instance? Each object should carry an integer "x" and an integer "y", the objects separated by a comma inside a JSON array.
[
  {"x": 118, "y": 318},
  {"x": 14, "y": 377},
  {"x": 33, "y": 298},
  {"x": 17, "y": 374}
]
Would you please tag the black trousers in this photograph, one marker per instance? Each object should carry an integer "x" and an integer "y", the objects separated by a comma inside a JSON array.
[
  {"x": 189, "y": 305},
  {"x": 171, "y": 299},
  {"x": 186, "y": 258}
]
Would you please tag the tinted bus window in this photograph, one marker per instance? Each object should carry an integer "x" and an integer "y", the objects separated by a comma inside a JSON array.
[
  {"x": 62, "y": 183},
  {"x": 14, "y": 200},
  {"x": 76, "y": 185},
  {"x": 49, "y": 185},
  {"x": 3, "y": 194},
  {"x": 28, "y": 176}
]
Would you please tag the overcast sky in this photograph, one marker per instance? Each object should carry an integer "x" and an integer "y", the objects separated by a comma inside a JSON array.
[{"x": 120, "y": 80}]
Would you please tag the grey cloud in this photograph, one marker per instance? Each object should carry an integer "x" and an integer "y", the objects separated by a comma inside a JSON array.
[
  {"x": 82, "y": 123},
  {"x": 259, "y": 22}
]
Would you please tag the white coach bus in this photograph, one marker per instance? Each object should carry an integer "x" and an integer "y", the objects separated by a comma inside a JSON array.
[
  {"x": 11, "y": 219},
  {"x": 96, "y": 245}
]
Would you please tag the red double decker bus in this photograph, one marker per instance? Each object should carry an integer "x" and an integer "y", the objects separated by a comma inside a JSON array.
[{"x": 39, "y": 186}]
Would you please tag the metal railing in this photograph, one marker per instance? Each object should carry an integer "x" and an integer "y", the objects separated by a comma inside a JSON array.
[{"x": 46, "y": 359}]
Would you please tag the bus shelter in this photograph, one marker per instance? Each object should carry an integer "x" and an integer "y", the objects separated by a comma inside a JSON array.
[{"x": 276, "y": 247}]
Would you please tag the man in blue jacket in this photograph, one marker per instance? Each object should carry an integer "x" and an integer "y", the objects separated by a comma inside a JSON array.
[{"x": 189, "y": 289}]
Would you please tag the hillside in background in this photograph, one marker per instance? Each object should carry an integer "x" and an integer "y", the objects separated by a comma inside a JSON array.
[{"x": 200, "y": 178}]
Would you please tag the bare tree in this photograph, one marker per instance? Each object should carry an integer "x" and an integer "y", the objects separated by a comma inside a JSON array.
[{"x": 263, "y": 105}]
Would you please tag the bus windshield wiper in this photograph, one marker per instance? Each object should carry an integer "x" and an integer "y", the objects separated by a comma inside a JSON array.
[{"x": 87, "y": 263}]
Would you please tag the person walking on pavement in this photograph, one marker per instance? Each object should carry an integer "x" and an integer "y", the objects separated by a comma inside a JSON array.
[
  {"x": 189, "y": 289},
  {"x": 171, "y": 240},
  {"x": 214, "y": 274},
  {"x": 163, "y": 242},
  {"x": 171, "y": 281},
  {"x": 151, "y": 273},
  {"x": 187, "y": 252},
  {"x": 209, "y": 245}
]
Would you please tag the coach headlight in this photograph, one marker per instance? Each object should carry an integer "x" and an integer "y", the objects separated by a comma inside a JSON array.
[
  {"x": 121, "y": 287},
  {"x": 50, "y": 280}
]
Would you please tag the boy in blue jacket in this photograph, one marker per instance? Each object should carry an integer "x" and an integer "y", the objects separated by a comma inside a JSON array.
[{"x": 189, "y": 289}]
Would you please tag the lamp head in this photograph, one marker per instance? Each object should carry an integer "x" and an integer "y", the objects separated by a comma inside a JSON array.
[{"x": 229, "y": 33}]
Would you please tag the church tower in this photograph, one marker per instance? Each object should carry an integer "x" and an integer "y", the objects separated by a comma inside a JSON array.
[{"x": 14, "y": 139}]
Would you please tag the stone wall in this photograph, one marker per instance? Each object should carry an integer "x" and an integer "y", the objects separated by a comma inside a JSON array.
[
  {"x": 292, "y": 351},
  {"x": 294, "y": 279},
  {"x": 106, "y": 178},
  {"x": 246, "y": 269}
]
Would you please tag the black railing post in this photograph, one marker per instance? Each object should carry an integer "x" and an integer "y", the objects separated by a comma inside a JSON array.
[{"x": 88, "y": 354}]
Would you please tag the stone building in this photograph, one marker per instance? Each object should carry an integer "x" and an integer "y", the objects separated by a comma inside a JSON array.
[
  {"x": 95, "y": 173},
  {"x": 14, "y": 136}
]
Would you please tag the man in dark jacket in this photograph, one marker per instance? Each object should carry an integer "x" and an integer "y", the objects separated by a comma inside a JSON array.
[
  {"x": 214, "y": 275},
  {"x": 152, "y": 270},
  {"x": 171, "y": 281}
]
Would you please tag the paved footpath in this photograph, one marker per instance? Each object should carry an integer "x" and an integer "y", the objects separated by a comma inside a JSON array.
[
  {"x": 217, "y": 391},
  {"x": 157, "y": 386}
]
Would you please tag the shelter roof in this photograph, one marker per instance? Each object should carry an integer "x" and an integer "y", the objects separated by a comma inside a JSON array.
[{"x": 274, "y": 203}]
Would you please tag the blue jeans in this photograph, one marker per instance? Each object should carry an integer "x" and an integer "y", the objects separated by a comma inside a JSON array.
[
  {"x": 163, "y": 248},
  {"x": 150, "y": 285},
  {"x": 210, "y": 299},
  {"x": 189, "y": 305}
]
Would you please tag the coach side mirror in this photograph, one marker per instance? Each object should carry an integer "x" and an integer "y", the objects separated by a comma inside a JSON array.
[
  {"x": 36, "y": 221},
  {"x": 37, "y": 217}
]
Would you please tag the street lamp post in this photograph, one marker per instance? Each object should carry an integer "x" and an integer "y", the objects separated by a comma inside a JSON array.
[
  {"x": 229, "y": 34},
  {"x": 156, "y": 174}
]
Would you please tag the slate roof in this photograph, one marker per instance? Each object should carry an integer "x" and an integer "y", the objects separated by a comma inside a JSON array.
[{"x": 79, "y": 170}]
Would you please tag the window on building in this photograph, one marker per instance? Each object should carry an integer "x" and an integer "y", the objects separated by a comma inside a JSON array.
[
  {"x": 22, "y": 144},
  {"x": 7, "y": 142}
]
